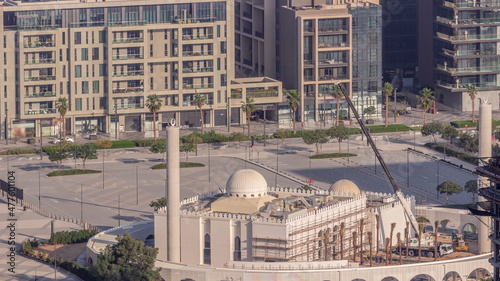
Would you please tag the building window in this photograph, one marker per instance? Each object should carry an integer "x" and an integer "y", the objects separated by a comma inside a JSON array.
[
  {"x": 85, "y": 87},
  {"x": 166, "y": 50},
  {"x": 237, "y": 249},
  {"x": 151, "y": 83},
  {"x": 95, "y": 53},
  {"x": 102, "y": 37},
  {"x": 85, "y": 54},
  {"x": 151, "y": 50},
  {"x": 78, "y": 71},
  {"x": 207, "y": 257},
  {"x": 78, "y": 38},
  {"x": 95, "y": 87},
  {"x": 78, "y": 104},
  {"x": 102, "y": 70},
  {"x": 223, "y": 47}
]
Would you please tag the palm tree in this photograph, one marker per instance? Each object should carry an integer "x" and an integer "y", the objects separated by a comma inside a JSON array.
[
  {"x": 62, "y": 107},
  {"x": 407, "y": 234},
  {"x": 472, "y": 91},
  {"x": 249, "y": 108},
  {"x": 200, "y": 100},
  {"x": 420, "y": 230},
  {"x": 426, "y": 100},
  {"x": 361, "y": 228},
  {"x": 354, "y": 244},
  {"x": 387, "y": 90},
  {"x": 337, "y": 94},
  {"x": 387, "y": 247},
  {"x": 436, "y": 225},
  {"x": 370, "y": 241},
  {"x": 393, "y": 226},
  {"x": 341, "y": 234},
  {"x": 398, "y": 236},
  {"x": 293, "y": 99},
  {"x": 377, "y": 219},
  {"x": 153, "y": 103}
]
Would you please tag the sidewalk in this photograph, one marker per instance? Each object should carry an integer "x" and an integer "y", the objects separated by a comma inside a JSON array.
[{"x": 28, "y": 226}]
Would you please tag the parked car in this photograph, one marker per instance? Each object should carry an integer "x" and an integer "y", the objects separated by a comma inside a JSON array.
[{"x": 68, "y": 139}]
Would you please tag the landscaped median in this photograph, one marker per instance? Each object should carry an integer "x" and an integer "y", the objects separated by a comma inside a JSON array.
[
  {"x": 72, "y": 172},
  {"x": 332, "y": 155},
  {"x": 182, "y": 165}
]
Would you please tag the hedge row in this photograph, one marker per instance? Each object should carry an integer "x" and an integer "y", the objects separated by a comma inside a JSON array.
[
  {"x": 72, "y": 172},
  {"x": 182, "y": 165},
  {"x": 18, "y": 151},
  {"x": 469, "y": 123},
  {"x": 389, "y": 128},
  {"x": 450, "y": 152},
  {"x": 332, "y": 155},
  {"x": 71, "y": 237}
]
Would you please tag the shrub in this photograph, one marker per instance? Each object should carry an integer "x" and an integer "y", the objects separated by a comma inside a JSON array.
[
  {"x": 71, "y": 237},
  {"x": 461, "y": 124},
  {"x": 72, "y": 172},
  {"x": 332, "y": 155},
  {"x": 102, "y": 143},
  {"x": 122, "y": 144},
  {"x": 450, "y": 152},
  {"x": 390, "y": 128},
  {"x": 182, "y": 165},
  {"x": 237, "y": 136},
  {"x": 213, "y": 136},
  {"x": 18, "y": 151},
  {"x": 143, "y": 143}
]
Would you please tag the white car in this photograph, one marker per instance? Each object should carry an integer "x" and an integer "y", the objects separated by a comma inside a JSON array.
[{"x": 68, "y": 139}]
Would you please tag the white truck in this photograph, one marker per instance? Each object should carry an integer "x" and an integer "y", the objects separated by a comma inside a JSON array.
[{"x": 427, "y": 248}]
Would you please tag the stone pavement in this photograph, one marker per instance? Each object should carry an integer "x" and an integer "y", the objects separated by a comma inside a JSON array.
[{"x": 28, "y": 226}]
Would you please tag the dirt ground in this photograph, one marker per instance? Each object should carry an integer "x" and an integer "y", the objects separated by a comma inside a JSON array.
[{"x": 69, "y": 252}]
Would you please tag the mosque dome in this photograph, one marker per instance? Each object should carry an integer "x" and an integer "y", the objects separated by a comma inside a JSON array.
[
  {"x": 246, "y": 183},
  {"x": 345, "y": 186}
]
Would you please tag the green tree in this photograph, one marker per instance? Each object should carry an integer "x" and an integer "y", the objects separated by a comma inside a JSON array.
[
  {"x": 371, "y": 110},
  {"x": 470, "y": 143},
  {"x": 471, "y": 187},
  {"x": 431, "y": 129},
  {"x": 293, "y": 99},
  {"x": 239, "y": 137},
  {"x": 337, "y": 93},
  {"x": 62, "y": 107},
  {"x": 472, "y": 92},
  {"x": 248, "y": 106},
  {"x": 426, "y": 100},
  {"x": 128, "y": 260},
  {"x": 316, "y": 137},
  {"x": 200, "y": 100},
  {"x": 153, "y": 103},
  {"x": 387, "y": 91},
  {"x": 339, "y": 133},
  {"x": 158, "y": 203},
  {"x": 159, "y": 147},
  {"x": 86, "y": 151},
  {"x": 187, "y": 147},
  {"x": 58, "y": 154},
  {"x": 449, "y": 132},
  {"x": 449, "y": 188},
  {"x": 196, "y": 139},
  {"x": 282, "y": 134}
]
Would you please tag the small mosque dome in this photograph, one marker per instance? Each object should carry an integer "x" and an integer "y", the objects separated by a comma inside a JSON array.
[
  {"x": 345, "y": 186},
  {"x": 246, "y": 183}
]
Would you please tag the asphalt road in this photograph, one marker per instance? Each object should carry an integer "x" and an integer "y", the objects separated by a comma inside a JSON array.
[{"x": 130, "y": 185}]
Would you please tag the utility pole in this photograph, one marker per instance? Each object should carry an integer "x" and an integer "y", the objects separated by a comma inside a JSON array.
[
  {"x": 116, "y": 119},
  {"x": 395, "y": 103},
  {"x": 41, "y": 140}
]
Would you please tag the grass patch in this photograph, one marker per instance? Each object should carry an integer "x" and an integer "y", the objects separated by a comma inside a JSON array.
[
  {"x": 450, "y": 152},
  {"x": 182, "y": 165},
  {"x": 18, "y": 151},
  {"x": 389, "y": 128},
  {"x": 469, "y": 123},
  {"x": 143, "y": 143},
  {"x": 332, "y": 155},
  {"x": 72, "y": 172}
]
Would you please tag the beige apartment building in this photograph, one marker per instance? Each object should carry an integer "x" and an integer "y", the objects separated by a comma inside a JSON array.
[{"x": 106, "y": 57}]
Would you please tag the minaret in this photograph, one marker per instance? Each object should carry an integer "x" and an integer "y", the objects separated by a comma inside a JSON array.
[
  {"x": 484, "y": 151},
  {"x": 173, "y": 195}
]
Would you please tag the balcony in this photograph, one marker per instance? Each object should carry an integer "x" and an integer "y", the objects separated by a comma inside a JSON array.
[
  {"x": 470, "y": 21},
  {"x": 463, "y": 86},
  {"x": 128, "y": 57},
  {"x": 198, "y": 86},
  {"x": 129, "y": 73},
  {"x": 332, "y": 45},
  {"x": 40, "y": 78},
  {"x": 41, "y": 61},
  {"x": 197, "y": 70},
  {"x": 332, "y": 62},
  {"x": 197, "y": 37},
  {"x": 331, "y": 77},
  {"x": 337, "y": 29},
  {"x": 195, "y": 54},
  {"x": 130, "y": 106},
  {"x": 262, "y": 93},
  {"x": 194, "y": 20},
  {"x": 471, "y": 69},
  {"x": 40, "y": 111},
  {"x": 128, "y": 90},
  {"x": 236, "y": 95},
  {"x": 467, "y": 5},
  {"x": 308, "y": 78},
  {"x": 464, "y": 37},
  {"x": 40, "y": 95},
  {"x": 128, "y": 40},
  {"x": 40, "y": 44}
]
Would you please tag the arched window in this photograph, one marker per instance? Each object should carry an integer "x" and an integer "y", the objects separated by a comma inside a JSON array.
[
  {"x": 237, "y": 248},
  {"x": 207, "y": 255}
]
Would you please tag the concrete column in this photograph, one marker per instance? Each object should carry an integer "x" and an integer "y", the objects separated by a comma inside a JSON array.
[
  {"x": 484, "y": 151},
  {"x": 173, "y": 195}
]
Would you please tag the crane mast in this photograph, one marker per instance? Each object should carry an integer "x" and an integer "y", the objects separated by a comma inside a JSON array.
[{"x": 397, "y": 190}]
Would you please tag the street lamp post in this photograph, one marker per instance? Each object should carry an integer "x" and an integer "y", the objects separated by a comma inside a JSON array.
[
  {"x": 395, "y": 103},
  {"x": 437, "y": 180},
  {"x": 6, "y": 126},
  {"x": 208, "y": 147},
  {"x": 116, "y": 120},
  {"x": 265, "y": 121},
  {"x": 81, "y": 203},
  {"x": 119, "y": 215},
  {"x": 41, "y": 141},
  {"x": 277, "y": 165},
  {"x": 229, "y": 114},
  {"x": 408, "y": 168},
  {"x": 39, "y": 189}
]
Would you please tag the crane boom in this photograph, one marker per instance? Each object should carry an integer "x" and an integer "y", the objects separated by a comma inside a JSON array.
[{"x": 397, "y": 190}]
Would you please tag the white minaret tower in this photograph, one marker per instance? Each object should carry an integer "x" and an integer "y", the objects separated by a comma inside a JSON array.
[
  {"x": 173, "y": 195},
  {"x": 484, "y": 151}
]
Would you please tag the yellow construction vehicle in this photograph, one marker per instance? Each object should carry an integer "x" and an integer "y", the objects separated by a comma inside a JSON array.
[{"x": 459, "y": 243}]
